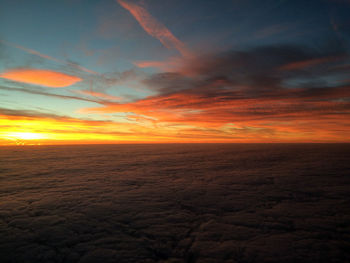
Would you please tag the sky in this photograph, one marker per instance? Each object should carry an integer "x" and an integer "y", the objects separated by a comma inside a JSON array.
[{"x": 159, "y": 71}]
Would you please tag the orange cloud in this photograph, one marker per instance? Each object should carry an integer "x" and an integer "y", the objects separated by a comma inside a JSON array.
[
  {"x": 151, "y": 64},
  {"x": 293, "y": 115},
  {"x": 154, "y": 27},
  {"x": 170, "y": 65},
  {"x": 41, "y": 77}
]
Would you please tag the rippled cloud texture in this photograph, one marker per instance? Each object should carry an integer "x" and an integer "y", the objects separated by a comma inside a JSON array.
[{"x": 234, "y": 203}]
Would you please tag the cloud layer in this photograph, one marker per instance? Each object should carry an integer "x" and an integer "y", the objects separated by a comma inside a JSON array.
[{"x": 175, "y": 203}]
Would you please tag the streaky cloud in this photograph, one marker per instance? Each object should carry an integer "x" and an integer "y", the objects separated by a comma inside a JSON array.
[
  {"x": 100, "y": 95},
  {"x": 34, "y": 52},
  {"x": 29, "y": 113},
  {"x": 154, "y": 28},
  {"x": 299, "y": 65},
  {"x": 47, "y": 94}
]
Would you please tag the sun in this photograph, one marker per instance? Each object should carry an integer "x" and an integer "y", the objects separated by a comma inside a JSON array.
[{"x": 25, "y": 136}]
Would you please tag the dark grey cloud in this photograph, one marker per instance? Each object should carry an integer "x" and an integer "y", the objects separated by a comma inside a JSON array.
[
  {"x": 256, "y": 70},
  {"x": 29, "y": 113},
  {"x": 283, "y": 82}
]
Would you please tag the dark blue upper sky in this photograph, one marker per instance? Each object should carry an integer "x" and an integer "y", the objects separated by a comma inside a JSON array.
[{"x": 97, "y": 33}]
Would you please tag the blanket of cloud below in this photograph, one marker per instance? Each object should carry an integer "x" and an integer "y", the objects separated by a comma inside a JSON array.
[{"x": 175, "y": 203}]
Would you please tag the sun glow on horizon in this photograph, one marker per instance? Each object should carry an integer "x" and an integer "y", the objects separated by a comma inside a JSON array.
[{"x": 25, "y": 136}]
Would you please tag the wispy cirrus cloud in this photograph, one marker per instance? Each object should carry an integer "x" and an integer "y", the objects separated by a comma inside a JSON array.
[
  {"x": 219, "y": 107},
  {"x": 28, "y": 113},
  {"x": 48, "y": 94},
  {"x": 154, "y": 28},
  {"x": 100, "y": 95},
  {"x": 152, "y": 64},
  {"x": 36, "y": 53},
  {"x": 171, "y": 65},
  {"x": 42, "y": 77}
]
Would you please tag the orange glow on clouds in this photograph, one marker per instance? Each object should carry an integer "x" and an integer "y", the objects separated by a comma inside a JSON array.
[
  {"x": 40, "y": 77},
  {"x": 19, "y": 130}
]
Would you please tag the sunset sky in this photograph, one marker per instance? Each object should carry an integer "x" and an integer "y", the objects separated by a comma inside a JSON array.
[{"x": 86, "y": 71}]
